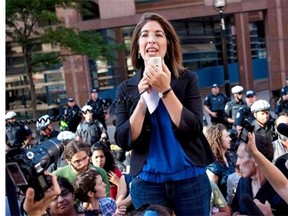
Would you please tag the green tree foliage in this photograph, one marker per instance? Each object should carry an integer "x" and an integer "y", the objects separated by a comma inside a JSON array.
[{"x": 30, "y": 22}]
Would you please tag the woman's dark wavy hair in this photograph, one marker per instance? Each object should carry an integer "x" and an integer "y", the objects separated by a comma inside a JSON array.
[
  {"x": 173, "y": 58},
  {"x": 64, "y": 183},
  {"x": 214, "y": 134},
  {"x": 110, "y": 161}
]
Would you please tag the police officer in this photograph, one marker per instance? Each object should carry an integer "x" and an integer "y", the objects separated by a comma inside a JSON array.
[
  {"x": 71, "y": 117},
  {"x": 46, "y": 129},
  {"x": 214, "y": 105},
  {"x": 100, "y": 107},
  {"x": 17, "y": 135},
  {"x": 284, "y": 98},
  {"x": 245, "y": 111},
  {"x": 263, "y": 122},
  {"x": 90, "y": 130},
  {"x": 232, "y": 107}
]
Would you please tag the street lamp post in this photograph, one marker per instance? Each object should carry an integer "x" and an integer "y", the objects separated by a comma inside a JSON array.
[{"x": 220, "y": 6}]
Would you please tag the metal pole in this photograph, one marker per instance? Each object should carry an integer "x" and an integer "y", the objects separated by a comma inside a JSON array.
[{"x": 224, "y": 55}]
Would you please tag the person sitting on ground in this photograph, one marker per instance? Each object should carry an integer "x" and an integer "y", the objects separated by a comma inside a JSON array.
[
  {"x": 102, "y": 157},
  {"x": 219, "y": 206},
  {"x": 63, "y": 204},
  {"x": 276, "y": 178},
  {"x": 31, "y": 207},
  {"x": 77, "y": 155},
  {"x": 219, "y": 171},
  {"x": 90, "y": 188},
  {"x": 280, "y": 145},
  {"x": 123, "y": 194},
  {"x": 253, "y": 182}
]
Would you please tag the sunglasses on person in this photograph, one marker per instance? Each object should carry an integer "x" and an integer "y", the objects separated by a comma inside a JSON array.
[{"x": 88, "y": 110}]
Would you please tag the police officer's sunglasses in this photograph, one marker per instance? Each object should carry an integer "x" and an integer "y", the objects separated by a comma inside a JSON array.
[{"x": 88, "y": 110}]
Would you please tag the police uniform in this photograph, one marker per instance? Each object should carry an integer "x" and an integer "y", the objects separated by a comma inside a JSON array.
[
  {"x": 268, "y": 129},
  {"x": 216, "y": 103},
  {"x": 284, "y": 104},
  {"x": 90, "y": 132},
  {"x": 99, "y": 110},
  {"x": 16, "y": 133},
  {"x": 72, "y": 116},
  {"x": 243, "y": 113},
  {"x": 232, "y": 107}
]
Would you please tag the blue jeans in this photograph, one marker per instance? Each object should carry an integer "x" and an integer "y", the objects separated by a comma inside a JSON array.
[{"x": 185, "y": 197}]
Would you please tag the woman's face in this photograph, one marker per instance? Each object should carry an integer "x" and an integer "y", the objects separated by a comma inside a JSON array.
[
  {"x": 225, "y": 138},
  {"x": 63, "y": 204},
  {"x": 98, "y": 158},
  {"x": 152, "y": 41}
]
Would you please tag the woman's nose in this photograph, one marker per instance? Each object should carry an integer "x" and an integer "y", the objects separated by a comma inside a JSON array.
[{"x": 151, "y": 38}]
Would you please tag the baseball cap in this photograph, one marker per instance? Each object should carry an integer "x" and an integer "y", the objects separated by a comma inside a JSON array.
[
  {"x": 71, "y": 99},
  {"x": 94, "y": 90},
  {"x": 250, "y": 93},
  {"x": 237, "y": 89},
  {"x": 10, "y": 115},
  {"x": 214, "y": 85}
]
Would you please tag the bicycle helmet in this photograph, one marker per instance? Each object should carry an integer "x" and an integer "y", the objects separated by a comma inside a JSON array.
[
  {"x": 43, "y": 122},
  {"x": 10, "y": 115},
  {"x": 66, "y": 136},
  {"x": 260, "y": 105},
  {"x": 237, "y": 89}
]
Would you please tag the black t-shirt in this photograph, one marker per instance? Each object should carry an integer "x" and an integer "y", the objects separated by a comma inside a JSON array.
[{"x": 266, "y": 192}]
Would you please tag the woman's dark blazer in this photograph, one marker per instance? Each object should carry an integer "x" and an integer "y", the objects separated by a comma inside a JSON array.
[{"x": 189, "y": 132}]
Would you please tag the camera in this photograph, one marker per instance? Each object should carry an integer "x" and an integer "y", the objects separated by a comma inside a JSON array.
[
  {"x": 26, "y": 166},
  {"x": 246, "y": 128}
]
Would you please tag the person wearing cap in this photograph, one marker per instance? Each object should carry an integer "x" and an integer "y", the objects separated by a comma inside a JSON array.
[
  {"x": 263, "y": 122},
  {"x": 245, "y": 111},
  {"x": 100, "y": 107},
  {"x": 232, "y": 107},
  {"x": 214, "y": 105},
  {"x": 18, "y": 135},
  {"x": 280, "y": 145},
  {"x": 71, "y": 116},
  {"x": 46, "y": 129},
  {"x": 90, "y": 130}
]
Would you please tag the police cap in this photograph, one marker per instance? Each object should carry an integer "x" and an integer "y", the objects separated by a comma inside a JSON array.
[{"x": 250, "y": 93}]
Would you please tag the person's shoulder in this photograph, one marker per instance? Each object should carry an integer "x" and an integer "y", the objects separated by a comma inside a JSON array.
[
  {"x": 61, "y": 170},
  {"x": 117, "y": 171},
  {"x": 99, "y": 169}
]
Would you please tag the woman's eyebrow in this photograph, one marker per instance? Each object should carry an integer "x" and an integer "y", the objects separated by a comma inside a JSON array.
[{"x": 155, "y": 31}]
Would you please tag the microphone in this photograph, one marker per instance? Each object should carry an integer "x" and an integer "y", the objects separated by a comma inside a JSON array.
[
  {"x": 250, "y": 206},
  {"x": 282, "y": 128}
]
